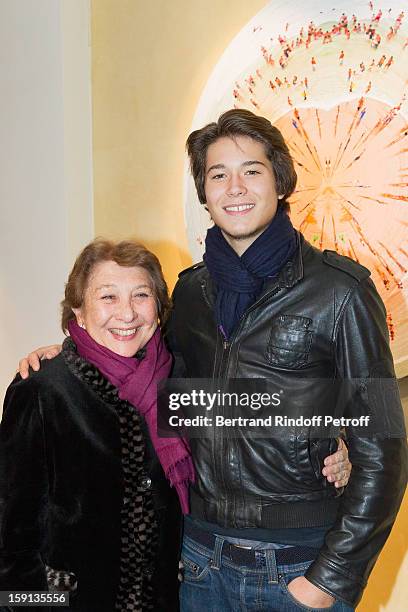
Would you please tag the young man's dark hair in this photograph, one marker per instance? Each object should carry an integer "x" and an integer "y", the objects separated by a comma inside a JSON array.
[{"x": 242, "y": 122}]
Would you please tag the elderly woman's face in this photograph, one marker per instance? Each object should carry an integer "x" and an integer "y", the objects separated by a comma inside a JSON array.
[{"x": 119, "y": 309}]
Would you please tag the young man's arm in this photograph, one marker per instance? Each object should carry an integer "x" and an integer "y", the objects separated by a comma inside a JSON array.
[
  {"x": 372, "y": 498},
  {"x": 33, "y": 359}
]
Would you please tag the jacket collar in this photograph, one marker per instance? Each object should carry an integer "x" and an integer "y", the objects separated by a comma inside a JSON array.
[
  {"x": 89, "y": 374},
  {"x": 292, "y": 271}
]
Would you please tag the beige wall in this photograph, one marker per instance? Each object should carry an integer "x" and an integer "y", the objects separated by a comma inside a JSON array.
[
  {"x": 151, "y": 61},
  {"x": 45, "y": 167}
]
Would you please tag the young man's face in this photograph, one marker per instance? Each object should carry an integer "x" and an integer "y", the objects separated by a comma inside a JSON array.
[{"x": 240, "y": 189}]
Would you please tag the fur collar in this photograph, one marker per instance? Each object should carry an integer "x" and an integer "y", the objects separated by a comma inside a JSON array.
[{"x": 89, "y": 374}]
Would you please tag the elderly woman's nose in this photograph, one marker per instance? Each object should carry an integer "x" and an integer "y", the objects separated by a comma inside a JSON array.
[{"x": 126, "y": 310}]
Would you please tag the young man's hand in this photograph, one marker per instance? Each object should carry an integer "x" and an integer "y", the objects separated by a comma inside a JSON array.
[
  {"x": 308, "y": 594},
  {"x": 337, "y": 467},
  {"x": 33, "y": 359}
]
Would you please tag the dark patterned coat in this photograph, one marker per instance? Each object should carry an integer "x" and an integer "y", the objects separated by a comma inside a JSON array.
[{"x": 84, "y": 504}]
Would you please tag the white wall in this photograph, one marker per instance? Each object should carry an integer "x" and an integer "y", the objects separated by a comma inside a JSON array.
[{"x": 46, "y": 212}]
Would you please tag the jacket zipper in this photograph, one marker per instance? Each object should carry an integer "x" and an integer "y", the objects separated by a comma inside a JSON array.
[
  {"x": 229, "y": 448},
  {"x": 226, "y": 344},
  {"x": 224, "y": 362}
]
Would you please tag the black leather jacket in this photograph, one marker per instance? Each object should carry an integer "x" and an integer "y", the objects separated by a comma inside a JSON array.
[{"x": 321, "y": 319}]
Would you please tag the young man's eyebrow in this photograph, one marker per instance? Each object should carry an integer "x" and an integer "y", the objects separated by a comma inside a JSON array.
[
  {"x": 253, "y": 162},
  {"x": 216, "y": 167},
  {"x": 250, "y": 162}
]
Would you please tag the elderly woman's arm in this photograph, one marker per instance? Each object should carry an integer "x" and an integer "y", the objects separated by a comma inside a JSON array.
[{"x": 23, "y": 490}]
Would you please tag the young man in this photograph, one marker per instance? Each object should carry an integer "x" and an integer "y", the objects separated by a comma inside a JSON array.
[{"x": 266, "y": 532}]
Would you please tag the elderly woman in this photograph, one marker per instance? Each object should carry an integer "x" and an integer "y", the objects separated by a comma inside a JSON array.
[{"x": 85, "y": 504}]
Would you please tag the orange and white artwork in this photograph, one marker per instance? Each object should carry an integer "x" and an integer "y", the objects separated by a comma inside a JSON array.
[{"x": 334, "y": 80}]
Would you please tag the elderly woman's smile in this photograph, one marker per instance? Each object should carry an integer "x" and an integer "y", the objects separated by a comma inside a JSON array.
[
  {"x": 124, "y": 334},
  {"x": 119, "y": 310}
]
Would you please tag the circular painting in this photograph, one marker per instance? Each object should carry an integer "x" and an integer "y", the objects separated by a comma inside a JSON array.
[{"x": 335, "y": 82}]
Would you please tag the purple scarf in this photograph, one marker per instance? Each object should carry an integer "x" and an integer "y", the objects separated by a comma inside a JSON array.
[{"x": 136, "y": 380}]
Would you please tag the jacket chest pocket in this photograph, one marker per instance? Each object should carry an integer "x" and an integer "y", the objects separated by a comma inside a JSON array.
[{"x": 289, "y": 341}]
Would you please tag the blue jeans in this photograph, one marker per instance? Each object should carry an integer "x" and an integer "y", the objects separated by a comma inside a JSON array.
[{"x": 213, "y": 583}]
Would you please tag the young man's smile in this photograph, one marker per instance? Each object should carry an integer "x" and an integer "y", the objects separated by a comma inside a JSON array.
[{"x": 239, "y": 209}]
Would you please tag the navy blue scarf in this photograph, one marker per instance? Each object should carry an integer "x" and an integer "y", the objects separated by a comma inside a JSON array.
[{"x": 239, "y": 280}]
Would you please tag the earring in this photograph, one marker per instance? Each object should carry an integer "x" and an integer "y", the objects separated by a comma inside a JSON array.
[
  {"x": 82, "y": 325},
  {"x": 280, "y": 197}
]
